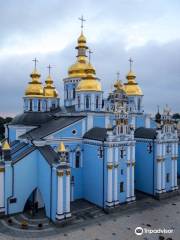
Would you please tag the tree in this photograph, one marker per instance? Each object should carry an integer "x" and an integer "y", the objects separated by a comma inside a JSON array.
[{"x": 2, "y": 128}]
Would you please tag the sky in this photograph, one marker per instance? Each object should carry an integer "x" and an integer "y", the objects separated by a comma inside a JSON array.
[{"x": 146, "y": 31}]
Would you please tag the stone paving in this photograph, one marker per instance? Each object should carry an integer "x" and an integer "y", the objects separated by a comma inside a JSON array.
[{"x": 93, "y": 224}]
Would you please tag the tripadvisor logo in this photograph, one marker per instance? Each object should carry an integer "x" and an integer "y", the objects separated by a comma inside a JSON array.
[{"x": 139, "y": 231}]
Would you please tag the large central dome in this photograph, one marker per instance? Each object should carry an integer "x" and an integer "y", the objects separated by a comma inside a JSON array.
[{"x": 82, "y": 66}]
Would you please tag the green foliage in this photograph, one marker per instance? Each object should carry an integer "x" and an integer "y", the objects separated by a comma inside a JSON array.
[
  {"x": 2, "y": 122},
  {"x": 176, "y": 116}
]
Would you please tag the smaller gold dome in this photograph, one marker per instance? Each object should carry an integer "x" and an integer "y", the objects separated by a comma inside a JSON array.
[
  {"x": 89, "y": 83},
  {"x": 35, "y": 87},
  {"x": 131, "y": 87},
  {"x": 61, "y": 147},
  {"x": 6, "y": 146},
  {"x": 49, "y": 89},
  {"x": 131, "y": 75},
  {"x": 81, "y": 42}
]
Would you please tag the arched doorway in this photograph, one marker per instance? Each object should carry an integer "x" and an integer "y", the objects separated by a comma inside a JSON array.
[{"x": 35, "y": 203}]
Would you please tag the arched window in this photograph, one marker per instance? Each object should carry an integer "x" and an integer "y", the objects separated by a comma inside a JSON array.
[
  {"x": 30, "y": 105},
  {"x": 87, "y": 102},
  {"x": 139, "y": 104},
  {"x": 78, "y": 101},
  {"x": 39, "y": 105},
  {"x": 121, "y": 187},
  {"x": 77, "y": 160},
  {"x": 97, "y": 102},
  {"x": 74, "y": 93}
]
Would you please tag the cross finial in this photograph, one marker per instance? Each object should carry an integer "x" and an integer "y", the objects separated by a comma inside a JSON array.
[
  {"x": 118, "y": 74},
  {"x": 35, "y": 63},
  {"x": 90, "y": 52},
  {"x": 82, "y": 22},
  {"x": 158, "y": 108},
  {"x": 130, "y": 62},
  {"x": 49, "y": 69}
]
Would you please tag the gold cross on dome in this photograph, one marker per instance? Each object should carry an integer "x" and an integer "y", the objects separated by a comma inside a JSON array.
[
  {"x": 35, "y": 63},
  {"x": 118, "y": 74},
  {"x": 90, "y": 52},
  {"x": 49, "y": 69},
  {"x": 82, "y": 22},
  {"x": 131, "y": 63}
]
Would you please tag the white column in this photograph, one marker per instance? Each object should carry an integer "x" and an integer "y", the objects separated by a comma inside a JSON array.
[
  {"x": 89, "y": 122},
  {"x": 132, "y": 172},
  {"x": 107, "y": 121},
  {"x": 116, "y": 201},
  {"x": 109, "y": 173},
  {"x": 128, "y": 174},
  {"x": 68, "y": 214},
  {"x": 172, "y": 174},
  {"x": 175, "y": 174},
  {"x": 60, "y": 209},
  {"x": 163, "y": 174},
  {"x": 1, "y": 189},
  {"x": 159, "y": 175}
]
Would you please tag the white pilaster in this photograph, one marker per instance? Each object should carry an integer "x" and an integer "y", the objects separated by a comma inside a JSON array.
[
  {"x": 60, "y": 212},
  {"x": 159, "y": 176},
  {"x": 2, "y": 189},
  {"x": 67, "y": 207},
  {"x": 89, "y": 122},
  {"x": 116, "y": 201},
  {"x": 128, "y": 174},
  {"x": 109, "y": 173},
  {"x": 163, "y": 176},
  {"x": 132, "y": 171},
  {"x": 175, "y": 174}
]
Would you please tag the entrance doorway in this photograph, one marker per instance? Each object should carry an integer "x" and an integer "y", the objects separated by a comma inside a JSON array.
[{"x": 34, "y": 203}]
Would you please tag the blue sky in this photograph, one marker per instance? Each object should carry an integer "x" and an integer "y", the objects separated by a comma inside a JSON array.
[{"x": 148, "y": 31}]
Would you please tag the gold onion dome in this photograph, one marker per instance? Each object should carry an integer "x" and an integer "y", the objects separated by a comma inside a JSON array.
[
  {"x": 132, "y": 87},
  {"x": 35, "y": 87},
  {"x": 49, "y": 89},
  {"x": 61, "y": 147},
  {"x": 6, "y": 146},
  {"x": 81, "y": 67},
  {"x": 89, "y": 83}
]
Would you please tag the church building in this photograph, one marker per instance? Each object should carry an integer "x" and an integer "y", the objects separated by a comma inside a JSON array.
[{"x": 84, "y": 146}]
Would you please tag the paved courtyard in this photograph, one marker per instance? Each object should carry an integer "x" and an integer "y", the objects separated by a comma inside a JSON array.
[{"x": 91, "y": 223}]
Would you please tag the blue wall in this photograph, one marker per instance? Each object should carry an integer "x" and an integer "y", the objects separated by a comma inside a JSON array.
[
  {"x": 93, "y": 175},
  {"x": 144, "y": 168}
]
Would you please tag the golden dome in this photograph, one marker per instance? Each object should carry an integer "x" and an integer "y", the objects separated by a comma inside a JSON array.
[
  {"x": 89, "y": 83},
  {"x": 81, "y": 66},
  {"x": 80, "y": 69},
  {"x": 61, "y": 147},
  {"x": 49, "y": 89},
  {"x": 34, "y": 88},
  {"x": 81, "y": 41},
  {"x": 5, "y": 146},
  {"x": 131, "y": 87}
]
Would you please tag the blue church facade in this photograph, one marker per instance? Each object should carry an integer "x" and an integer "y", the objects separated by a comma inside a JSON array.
[{"x": 89, "y": 147}]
